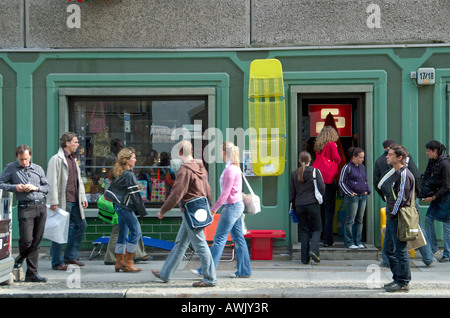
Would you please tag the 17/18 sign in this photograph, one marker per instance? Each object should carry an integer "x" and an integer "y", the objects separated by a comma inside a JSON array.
[{"x": 425, "y": 76}]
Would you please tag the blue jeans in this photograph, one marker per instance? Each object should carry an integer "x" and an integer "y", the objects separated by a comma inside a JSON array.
[
  {"x": 185, "y": 237},
  {"x": 230, "y": 222},
  {"x": 425, "y": 251},
  {"x": 355, "y": 207},
  {"x": 128, "y": 225},
  {"x": 431, "y": 236},
  {"x": 77, "y": 226},
  {"x": 397, "y": 252}
]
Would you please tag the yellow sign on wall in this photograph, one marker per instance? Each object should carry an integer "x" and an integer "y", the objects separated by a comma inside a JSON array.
[{"x": 267, "y": 117}]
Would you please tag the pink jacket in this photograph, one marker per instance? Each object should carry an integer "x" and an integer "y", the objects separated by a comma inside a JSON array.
[{"x": 230, "y": 186}]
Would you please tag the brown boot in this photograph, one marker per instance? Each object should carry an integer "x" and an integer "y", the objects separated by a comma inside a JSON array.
[
  {"x": 119, "y": 261},
  {"x": 128, "y": 264}
]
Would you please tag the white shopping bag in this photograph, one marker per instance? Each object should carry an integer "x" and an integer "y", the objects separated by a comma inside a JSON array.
[{"x": 57, "y": 225}]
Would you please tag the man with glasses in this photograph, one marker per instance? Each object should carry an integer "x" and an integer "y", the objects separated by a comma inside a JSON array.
[{"x": 29, "y": 183}]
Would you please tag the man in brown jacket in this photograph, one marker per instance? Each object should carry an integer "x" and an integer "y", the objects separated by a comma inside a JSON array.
[{"x": 191, "y": 182}]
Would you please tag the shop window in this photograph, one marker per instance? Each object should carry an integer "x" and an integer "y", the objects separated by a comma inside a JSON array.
[{"x": 106, "y": 125}]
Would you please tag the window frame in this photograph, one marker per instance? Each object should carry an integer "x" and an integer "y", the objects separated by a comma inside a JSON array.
[{"x": 209, "y": 92}]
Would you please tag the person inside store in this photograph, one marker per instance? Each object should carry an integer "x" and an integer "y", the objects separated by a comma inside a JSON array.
[
  {"x": 438, "y": 172},
  {"x": 191, "y": 183},
  {"x": 127, "y": 201},
  {"x": 230, "y": 221},
  {"x": 400, "y": 196},
  {"x": 327, "y": 161},
  {"x": 307, "y": 207},
  {"x": 353, "y": 182},
  {"x": 67, "y": 192},
  {"x": 30, "y": 184}
]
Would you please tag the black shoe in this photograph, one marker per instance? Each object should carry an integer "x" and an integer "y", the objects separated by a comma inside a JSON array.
[
  {"x": 36, "y": 279},
  {"x": 397, "y": 288},
  {"x": 18, "y": 261}
]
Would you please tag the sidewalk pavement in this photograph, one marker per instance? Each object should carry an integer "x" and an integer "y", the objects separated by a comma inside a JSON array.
[{"x": 277, "y": 278}]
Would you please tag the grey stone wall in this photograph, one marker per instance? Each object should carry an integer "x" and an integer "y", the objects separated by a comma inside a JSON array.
[{"x": 220, "y": 23}]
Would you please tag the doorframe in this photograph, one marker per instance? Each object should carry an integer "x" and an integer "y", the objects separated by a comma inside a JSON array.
[{"x": 367, "y": 91}]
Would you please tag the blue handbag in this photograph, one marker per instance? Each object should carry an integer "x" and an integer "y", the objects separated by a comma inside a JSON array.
[
  {"x": 198, "y": 213},
  {"x": 293, "y": 214}
]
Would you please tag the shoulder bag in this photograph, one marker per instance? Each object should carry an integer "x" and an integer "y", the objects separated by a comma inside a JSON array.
[
  {"x": 317, "y": 194},
  {"x": 198, "y": 213},
  {"x": 252, "y": 202},
  {"x": 328, "y": 168},
  {"x": 408, "y": 220}
]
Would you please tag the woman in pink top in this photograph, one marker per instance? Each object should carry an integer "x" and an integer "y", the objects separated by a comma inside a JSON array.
[
  {"x": 230, "y": 217},
  {"x": 325, "y": 146}
]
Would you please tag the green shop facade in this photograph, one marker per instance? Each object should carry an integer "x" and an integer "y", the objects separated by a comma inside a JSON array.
[{"x": 138, "y": 97}]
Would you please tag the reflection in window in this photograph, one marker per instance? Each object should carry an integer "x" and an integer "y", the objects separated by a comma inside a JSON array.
[{"x": 106, "y": 125}]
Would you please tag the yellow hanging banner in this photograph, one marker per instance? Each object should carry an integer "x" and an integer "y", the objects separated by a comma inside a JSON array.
[{"x": 267, "y": 117}]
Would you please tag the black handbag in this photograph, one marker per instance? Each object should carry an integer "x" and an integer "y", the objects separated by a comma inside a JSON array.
[{"x": 198, "y": 213}]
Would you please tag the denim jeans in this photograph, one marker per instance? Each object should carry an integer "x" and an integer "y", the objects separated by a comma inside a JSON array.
[
  {"x": 425, "y": 251},
  {"x": 77, "y": 226},
  {"x": 309, "y": 226},
  {"x": 397, "y": 252},
  {"x": 355, "y": 207},
  {"x": 230, "y": 222},
  {"x": 129, "y": 231},
  {"x": 431, "y": 236},
  {"x": 185, "y": 237}
]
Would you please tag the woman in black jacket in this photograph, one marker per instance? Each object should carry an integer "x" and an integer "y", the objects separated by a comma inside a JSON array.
[
  {"x": 124, "y": 193},
  {"x": 302, "y": 196},
  {"x": 438, "y": 169}
]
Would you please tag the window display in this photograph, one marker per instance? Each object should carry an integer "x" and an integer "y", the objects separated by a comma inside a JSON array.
[{"x": 106, "y": 125}]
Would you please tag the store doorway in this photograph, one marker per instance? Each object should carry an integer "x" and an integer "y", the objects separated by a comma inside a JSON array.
[{"x": 348, "y": 110}]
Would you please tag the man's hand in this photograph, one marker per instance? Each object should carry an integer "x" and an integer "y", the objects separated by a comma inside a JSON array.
[
  {"x": 84, "y": 204},
  {"x": 54, "y": 208}
]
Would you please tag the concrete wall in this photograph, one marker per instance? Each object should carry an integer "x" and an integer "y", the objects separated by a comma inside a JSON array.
[{"x": 220, "y": 23}]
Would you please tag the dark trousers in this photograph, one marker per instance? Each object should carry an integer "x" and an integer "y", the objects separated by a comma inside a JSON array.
[
  {"x": 309, "y": 226},
  {"x": 328, "y": 209},
  {"x": 31, "y": 229}
]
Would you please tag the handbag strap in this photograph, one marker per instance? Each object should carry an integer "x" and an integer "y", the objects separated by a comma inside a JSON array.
[{"x": 248, "y": 185}]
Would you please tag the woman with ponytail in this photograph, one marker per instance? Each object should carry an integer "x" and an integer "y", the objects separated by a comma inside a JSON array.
[
  {"x": 230, "y": 217},
  {"x": 124, "y": 193},
  {"x": 438, "y": 169},
  {"x": 307, "y": 207}
]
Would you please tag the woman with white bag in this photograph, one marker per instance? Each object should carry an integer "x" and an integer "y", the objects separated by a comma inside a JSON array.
[
  {"x": 230, "y": 217},
  {"x": 306, "y": 192}
]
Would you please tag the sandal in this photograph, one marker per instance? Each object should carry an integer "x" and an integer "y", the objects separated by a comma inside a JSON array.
[{"x": 202, "y": 284}]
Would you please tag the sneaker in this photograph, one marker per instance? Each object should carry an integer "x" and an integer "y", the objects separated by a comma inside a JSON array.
[
  {"x": 315, "y": 257},
  {"x": 353, "y": 247},
  {"x": 234, "y": 275},
  {"x": 361, "y": 246},
  {"x": 432, "y": 263},
  {"x": 397, "y": 288},
  {"x": 444, "y": 260},
  {"x": 195, "y": 272},
  {"x": 389, "y": 284}
]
